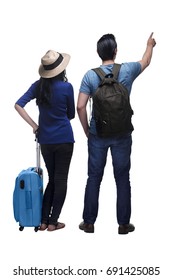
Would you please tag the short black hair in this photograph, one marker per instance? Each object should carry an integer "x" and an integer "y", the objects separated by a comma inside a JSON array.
[{"x": 106, "y": 47}]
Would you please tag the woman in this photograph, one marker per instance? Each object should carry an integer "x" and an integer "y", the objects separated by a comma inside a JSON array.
[{"x": 55, "y": 99}]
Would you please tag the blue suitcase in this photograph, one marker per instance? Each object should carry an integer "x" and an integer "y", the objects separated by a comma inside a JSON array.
[{"x": 28, "y": 195}]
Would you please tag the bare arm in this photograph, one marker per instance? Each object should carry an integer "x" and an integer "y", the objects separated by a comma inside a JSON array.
[
  {"x": 146, "y": 59},
  {"x": 82, "y": 112},
  {"x": 26, "y": 117}
]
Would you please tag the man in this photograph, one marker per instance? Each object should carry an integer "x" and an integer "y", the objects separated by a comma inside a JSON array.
[{"x": 120, "y": 147}]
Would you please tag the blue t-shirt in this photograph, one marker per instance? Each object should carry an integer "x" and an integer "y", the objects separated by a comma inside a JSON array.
[
  {"x": 128, "y": 73},
  {"x": 54, "y": 121}
]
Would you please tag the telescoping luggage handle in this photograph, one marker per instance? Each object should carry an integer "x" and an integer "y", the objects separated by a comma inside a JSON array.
[{"x": 37, "y": 154}]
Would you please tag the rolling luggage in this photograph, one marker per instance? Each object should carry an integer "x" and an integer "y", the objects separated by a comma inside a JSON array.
[{"x": 28, "y": 195}]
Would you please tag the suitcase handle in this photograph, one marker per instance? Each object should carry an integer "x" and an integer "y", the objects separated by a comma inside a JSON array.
[{"x": 38, "y": 165}]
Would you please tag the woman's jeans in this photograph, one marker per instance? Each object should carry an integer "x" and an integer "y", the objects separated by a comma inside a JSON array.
[
  {"x": 97, "y": 155},
  {"x": 57, "y": 158}
]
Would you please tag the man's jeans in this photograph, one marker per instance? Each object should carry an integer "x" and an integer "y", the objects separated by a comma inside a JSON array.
[
  {"x": 97, "y": 151},
  {"x": 57, "y": 159}
]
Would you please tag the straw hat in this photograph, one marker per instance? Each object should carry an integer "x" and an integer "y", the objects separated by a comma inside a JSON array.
[{"x": 53, "y": 63}]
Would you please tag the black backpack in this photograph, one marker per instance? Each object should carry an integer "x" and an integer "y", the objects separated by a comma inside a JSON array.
[{"x": 111, "y": 105}]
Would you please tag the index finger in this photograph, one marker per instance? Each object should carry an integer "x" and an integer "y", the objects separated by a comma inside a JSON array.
[{"x": 151, "y": 35}]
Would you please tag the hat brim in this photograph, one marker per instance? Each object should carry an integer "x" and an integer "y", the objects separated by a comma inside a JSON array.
[{"x": 57, "y": 70}]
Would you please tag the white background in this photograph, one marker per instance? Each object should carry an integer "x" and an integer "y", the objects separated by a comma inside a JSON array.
[{"x": 28, "y": 30}]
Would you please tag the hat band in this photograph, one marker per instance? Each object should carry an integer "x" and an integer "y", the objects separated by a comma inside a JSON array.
[{"x": 55, "y": 64}]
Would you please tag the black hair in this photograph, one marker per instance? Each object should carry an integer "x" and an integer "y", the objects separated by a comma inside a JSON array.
[
  {"x": 106, "y": 47},
  {"x": 44, "y": 92}
]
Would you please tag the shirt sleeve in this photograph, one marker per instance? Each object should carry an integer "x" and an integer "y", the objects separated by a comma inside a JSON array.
[
  {"x": 89, "y": 82},
  {"x": 135, "y": 70},
  {"x": 29, "y": 95},
  {"x": 129, "y": 72}
]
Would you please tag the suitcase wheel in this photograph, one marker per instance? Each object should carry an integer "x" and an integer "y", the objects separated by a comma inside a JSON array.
[
  {"x": 36, "y": 229},
  {"x": 21, "y": 228}
]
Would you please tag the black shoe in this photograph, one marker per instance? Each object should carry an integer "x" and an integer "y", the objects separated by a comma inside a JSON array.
[
  {"x": 124, "y": 229},
  {"x": 86, "y": 227}
]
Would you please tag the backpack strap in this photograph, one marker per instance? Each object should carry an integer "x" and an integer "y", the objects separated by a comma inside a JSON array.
[
  {"x": 100, "y": 72},
  {"x": 115, "y": 71}
]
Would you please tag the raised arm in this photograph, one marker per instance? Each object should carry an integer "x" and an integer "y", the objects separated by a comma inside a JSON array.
[{"x": 146, "y": 59}]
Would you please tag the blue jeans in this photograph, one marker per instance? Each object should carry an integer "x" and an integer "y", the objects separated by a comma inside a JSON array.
[
  {"x": 97, "y": 154},
  {"x": 57, "y": 158}
]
